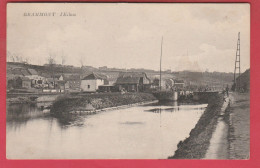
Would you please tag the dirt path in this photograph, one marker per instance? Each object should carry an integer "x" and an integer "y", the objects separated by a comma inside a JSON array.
[
  {"x": 218, "y": 148},
  {"x": 239, "y": 126},
  {"x": 225, "y": 135}
]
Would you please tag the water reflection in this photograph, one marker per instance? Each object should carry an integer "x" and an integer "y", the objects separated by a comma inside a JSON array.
[
  {"x": 133, "y": 133},
  {"x": 70, "y": 120},
  {"x": 19, "y": 114}
]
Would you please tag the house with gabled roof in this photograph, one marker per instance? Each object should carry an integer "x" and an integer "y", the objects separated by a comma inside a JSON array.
[
  {"x": 132, "y": 81},
  {"x": 91, "y": 82}
]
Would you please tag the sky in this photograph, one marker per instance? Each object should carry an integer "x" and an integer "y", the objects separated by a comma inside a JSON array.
[{"x": 196, "y": 37}]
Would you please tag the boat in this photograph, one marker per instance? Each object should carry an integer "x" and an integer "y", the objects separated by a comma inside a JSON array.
[{"x": 164, "y": 95}]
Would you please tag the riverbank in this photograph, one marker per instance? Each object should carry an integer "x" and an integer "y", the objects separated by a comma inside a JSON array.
[
  {"x": 68, "y": 103},
  {"x": 196, "y": 145},
  {"x": 20, "y": 100},
  {"x": 239, "y": 126}
]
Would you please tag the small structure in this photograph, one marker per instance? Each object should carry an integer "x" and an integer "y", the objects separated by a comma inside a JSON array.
[
  {"x": 107, "y": 88},
  {"x": 23, "y": 82},
  {"x": 37, "y": 80},
  {"x": 60, "y": 77},
  {"x": 72, "y": 82},
  {"x": 52, "y": 82},
  {"x": 166, "y": 83},
  {"x": 179, "y": 84},
  {"x": 133, "y": 81},
  {"x": 91, "y": 82}
]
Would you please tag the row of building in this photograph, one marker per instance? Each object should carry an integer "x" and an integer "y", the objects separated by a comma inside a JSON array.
[{"x": 127, "y": 81}]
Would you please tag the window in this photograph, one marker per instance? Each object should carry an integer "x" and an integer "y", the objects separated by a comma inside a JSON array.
[{"x": 88, "y": 86}]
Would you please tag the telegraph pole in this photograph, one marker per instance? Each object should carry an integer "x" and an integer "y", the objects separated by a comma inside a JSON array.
[{"x": 237, "y": 64}]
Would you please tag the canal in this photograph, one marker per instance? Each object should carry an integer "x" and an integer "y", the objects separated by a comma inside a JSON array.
[{"x": 143, "y": 132}]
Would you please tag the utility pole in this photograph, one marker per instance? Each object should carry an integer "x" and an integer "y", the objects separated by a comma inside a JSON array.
[{"x": 237, "y": 64}]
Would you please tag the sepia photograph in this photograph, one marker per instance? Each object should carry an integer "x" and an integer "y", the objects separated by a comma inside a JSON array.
[{"x": 128, "y": 81}]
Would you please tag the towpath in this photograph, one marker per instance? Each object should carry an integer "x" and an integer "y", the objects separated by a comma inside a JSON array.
[{"x": 231, "y": 138}]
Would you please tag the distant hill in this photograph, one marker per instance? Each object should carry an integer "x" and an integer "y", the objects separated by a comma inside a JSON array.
[
  {"x": 210, "y": 79},
  {"x": 45, "y": 68}
]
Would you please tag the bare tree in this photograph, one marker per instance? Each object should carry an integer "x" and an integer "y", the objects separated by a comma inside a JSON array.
[
  {"x": 15, "y": 57},
  {"x": 27, "y": 60},
  {"x": 10, "y": 56}
]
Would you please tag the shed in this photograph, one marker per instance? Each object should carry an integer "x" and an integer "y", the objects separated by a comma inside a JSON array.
[{"x": 132, "y": 81}]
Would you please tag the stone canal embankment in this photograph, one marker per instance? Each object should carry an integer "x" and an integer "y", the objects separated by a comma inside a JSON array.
[
  {"x": 196, "y": 145},
  {"x": 97, "y": 102}
]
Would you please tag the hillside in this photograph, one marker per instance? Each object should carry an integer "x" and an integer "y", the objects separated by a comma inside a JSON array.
[{"x": 210, "y": 79}]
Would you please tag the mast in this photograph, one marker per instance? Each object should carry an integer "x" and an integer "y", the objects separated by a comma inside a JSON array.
[{"x": 161, "y": 66}]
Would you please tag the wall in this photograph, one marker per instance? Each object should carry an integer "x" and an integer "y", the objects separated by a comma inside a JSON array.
[
  {"x": 99, "y": 82},
  {"x": 84, "y": 85},
  {"x": 146, "y": 81},
  {"x": 26, "y": 84},
  {"x": 94, "y": 83}
]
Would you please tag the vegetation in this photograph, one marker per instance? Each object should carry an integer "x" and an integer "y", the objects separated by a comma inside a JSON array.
[
  {"x": 68, "y": 103},
  {"x": 196, "y": 145}
]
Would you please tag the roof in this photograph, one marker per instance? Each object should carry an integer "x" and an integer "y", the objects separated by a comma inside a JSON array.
[
  {"x": 132, "y": 74},
  {"x": 51, "y": 79},
  {"x": 17, "y": 72},
  {"x": 33, "y": 72},
  {"x": 46, "y": 75},
  {"x": 61, "y": 82},
  {"x": 127, "y": 80},
  {"x": 178, "y": 81},
  {"x": 24, "y": 78},
  {"x": 130, "y": 77},
  {"x": 94, "y": 75},
  {"x": 57, "y": 75},
  {"x": 169, "y": 81},
  {"x": 71, "y": 77},
  {"x": 25, "y": 72}
]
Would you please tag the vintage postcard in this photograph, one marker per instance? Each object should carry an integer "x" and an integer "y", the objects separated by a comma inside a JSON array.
[{"x": 128, "y": 81}]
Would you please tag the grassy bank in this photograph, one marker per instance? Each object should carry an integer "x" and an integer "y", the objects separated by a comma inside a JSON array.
[
  {"x": 239, "y": 126},
  {"x": 196, "y": 145},
  {"x": 20, "y": 100},
  {"x": 68, "y": 103}
]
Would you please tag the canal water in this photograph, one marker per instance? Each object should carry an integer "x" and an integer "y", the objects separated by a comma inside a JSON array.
[{"x": 143, "y": 132}]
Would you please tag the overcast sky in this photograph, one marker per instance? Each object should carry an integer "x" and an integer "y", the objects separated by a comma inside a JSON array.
[{"x": 195, "y": 36}]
